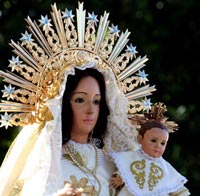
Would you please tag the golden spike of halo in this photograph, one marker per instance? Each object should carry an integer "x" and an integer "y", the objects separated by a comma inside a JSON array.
[
  {"x": 17, "y": 81},
  {"x": 122, "y": 41},
  {"x": 51, "y": 48},
  {"x": 141, "y": 92},
  {"x": 57, "y": 18},
  {"x": 81, "y": 25},
  {"x": 8, "y": 106},
  {"x": 133, "y": 67},
  {"x": 103, "y": 25},
  {"x": 23, "y": 54},
  {"x": 35, "y": 30}
]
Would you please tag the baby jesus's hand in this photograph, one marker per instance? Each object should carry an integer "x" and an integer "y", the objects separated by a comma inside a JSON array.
[
  {"x": 68, "y": 190},
  {"x": 116, "y": 181}
]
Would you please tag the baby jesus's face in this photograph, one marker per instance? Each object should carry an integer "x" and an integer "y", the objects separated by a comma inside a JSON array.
[{"x": 154, "y": 142}]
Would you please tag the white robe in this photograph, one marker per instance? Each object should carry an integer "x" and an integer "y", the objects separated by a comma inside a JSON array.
[{"x": 73, "y": 174}]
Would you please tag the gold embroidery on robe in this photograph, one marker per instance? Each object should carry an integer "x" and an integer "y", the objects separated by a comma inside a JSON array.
[
  {"x": 82, "y": 183},
  {"x": 81, "y": 159},
  {"x": 138, "y": 170},
  {"x": 155, "y": 174}
]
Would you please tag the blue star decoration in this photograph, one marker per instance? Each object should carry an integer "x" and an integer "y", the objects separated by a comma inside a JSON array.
[
  {"x": 5, "y": 120},
  {"x": 15, "y": 63},
  {"x": 92, "y": 17},
  {"x": 114, "y": 30},
  {"x": 142, "y": 77},
  {"x": 132, "y": 49},
  {"x": 45, "y": 22},
  {"x": 26, "y": 37},
  {"x": 8, "y": 92},
  {"x": 147, "y": 104},
  {"x": 67, "y": 14}
]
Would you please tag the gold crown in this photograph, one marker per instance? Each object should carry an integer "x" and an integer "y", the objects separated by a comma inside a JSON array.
[
  {"x": 44, "y": 54},
  {"x": 156, "y": 113}
]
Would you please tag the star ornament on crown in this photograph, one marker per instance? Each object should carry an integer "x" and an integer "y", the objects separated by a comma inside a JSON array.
[{"x": 49, "y": 47}]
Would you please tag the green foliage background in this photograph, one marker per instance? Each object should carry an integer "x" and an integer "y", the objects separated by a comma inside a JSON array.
[{"x": 168, "y": 32}]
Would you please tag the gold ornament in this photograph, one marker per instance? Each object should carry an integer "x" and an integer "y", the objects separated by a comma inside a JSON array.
[
  {"x": 155, "y": 114},
  {"x": 50, "y": 48}
]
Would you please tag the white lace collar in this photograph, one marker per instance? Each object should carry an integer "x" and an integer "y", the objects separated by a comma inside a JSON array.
[
  {"x": 83, "y": 149},
  {"x": 146, "y": 156}
]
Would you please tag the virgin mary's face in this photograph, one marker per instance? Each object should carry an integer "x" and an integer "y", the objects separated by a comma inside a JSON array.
[{"x": 85, "y": 100}]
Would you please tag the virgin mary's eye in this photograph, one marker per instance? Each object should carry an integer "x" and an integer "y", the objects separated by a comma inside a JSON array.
[
  {"x": 96, "y": 102},
  {"x": 79, "y": 100}
]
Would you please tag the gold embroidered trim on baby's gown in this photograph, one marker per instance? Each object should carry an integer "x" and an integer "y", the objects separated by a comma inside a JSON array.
[{"x": 154, "y": 176}]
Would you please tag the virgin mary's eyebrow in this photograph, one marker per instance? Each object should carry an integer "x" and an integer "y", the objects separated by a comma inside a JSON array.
[
  {"x": 78, "y": 92},
  {"x": 83, "y": 93}
]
